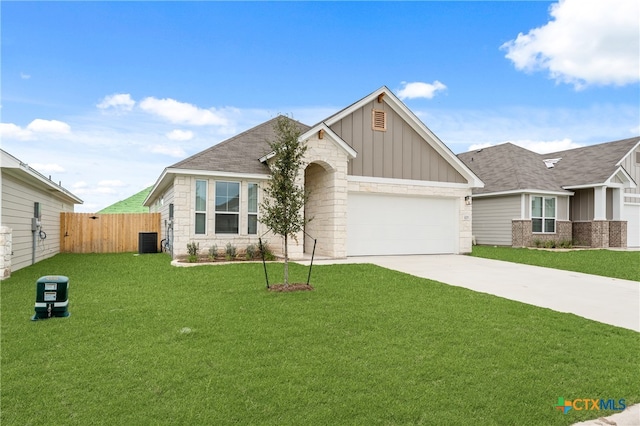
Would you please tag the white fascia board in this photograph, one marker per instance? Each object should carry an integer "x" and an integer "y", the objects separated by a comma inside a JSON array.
[
  {"x": 391, "y": 181},
  {"x": 351, "y": 153},
  {"x": 36, "y": 178},
  {"x": 315, "y": 129},
  {"x": 522, "y": 191},
  {"x": 584, "y": 186},
  {"x": 624, "y": 157},
  {"x": 628, "y": 181},
  {"x": 403, "y": 111},
  {"x": 168, "y": 173}
]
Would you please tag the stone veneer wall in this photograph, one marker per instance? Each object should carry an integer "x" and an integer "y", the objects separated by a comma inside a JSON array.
[
  {"x": 5, "y": 252},
  {"x": 522, "y": 236}
]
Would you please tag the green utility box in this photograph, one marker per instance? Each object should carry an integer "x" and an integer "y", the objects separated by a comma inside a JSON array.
[{"x": 52, "y": 297}]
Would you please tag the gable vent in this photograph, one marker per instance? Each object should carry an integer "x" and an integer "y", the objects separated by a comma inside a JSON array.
[{"x": 379, "y": 120}]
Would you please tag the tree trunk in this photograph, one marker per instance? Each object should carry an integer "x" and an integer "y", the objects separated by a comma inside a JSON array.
[{"x": 286, "y": 261}]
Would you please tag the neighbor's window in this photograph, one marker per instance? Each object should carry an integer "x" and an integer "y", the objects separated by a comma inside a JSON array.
[
  {"x": 543, "y": 214},
  {"x": 201, "y": 207},
  {"x": 227, "y": 207},
  {"x": 252, "y": 195}
]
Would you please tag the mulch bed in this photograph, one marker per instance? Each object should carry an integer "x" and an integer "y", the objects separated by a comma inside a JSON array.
[{"x": 291, "y": 287}]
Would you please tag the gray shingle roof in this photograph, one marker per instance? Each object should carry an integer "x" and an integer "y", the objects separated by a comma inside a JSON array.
[
  {"x": 590, "y": 164},
  {"x": 239, "y": 154},
  {"x": 508, "y": 167}
]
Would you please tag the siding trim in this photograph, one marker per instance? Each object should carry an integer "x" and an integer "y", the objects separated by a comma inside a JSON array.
[{"x": 392, "y": 181}]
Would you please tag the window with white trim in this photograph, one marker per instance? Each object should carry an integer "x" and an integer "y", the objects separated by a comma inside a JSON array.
[
  {"x": 543, "y": 214},
  {"x": 201, "y": 207},
  {"x": 252, "y": 217},
  {"x": 227, "y": 207}
]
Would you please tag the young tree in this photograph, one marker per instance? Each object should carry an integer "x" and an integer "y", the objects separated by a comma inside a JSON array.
[{"x": 282, "y": 207}]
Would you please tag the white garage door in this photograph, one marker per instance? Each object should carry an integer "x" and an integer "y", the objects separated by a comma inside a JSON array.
[
  {"x": 631, "y": 214},
  {"x": 382, "y": 224}
]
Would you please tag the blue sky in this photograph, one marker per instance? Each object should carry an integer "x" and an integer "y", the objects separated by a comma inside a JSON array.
[{"x": 104, "y": 95}]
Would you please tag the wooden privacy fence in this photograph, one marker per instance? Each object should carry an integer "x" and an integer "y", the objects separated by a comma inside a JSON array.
[{"x": 105, "y": 233}]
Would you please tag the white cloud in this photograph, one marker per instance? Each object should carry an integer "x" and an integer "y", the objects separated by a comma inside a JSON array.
[
  {"x": 48, "y": 168},
  {"x": 49, "y": 126},
  {"x": 420, "y": 90},
  {"x": 585, "y": 42},
  {"x": 182, "y": 112},
  {"x": 172, "y": 151},
  {"x": 180, "y": 135},
  {"x": 112, "y": 183},
  {"x": 12, "y": 131},
  {"x": 118, "y": 102},
  {"x": 24, "y": 76},
  {"x": 541, "y": 147}
]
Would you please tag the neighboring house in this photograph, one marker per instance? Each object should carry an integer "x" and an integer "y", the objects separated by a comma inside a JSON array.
[
  {"x": 30, "y": 215},
  {"x": 132, "y": 204},
  {"x": 587, "y": 195},
  {"x": 379, "y": 182}
]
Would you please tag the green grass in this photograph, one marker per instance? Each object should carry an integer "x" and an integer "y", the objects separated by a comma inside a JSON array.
[
  {"x": 368, "y": 347},
  {"x": 608, "y": 263}
]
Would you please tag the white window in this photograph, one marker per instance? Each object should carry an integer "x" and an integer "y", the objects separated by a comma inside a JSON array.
[
  {"x": 227, "y": 207},
  {"x": 201, "y": 207},
  {"x": 252, "y": 218},
  {"x": 543, "y": 214}
]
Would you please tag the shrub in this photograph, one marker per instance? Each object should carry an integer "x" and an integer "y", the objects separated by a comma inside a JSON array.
[
  {"x": 266, "y": 252},
  {"x": 550, "y": 244},
  {"x": 566, "y": 244},
  {"x": 213, "y": 251},
  {"x": 251, "y": 251},
  {"x": 193, "y": 249},
  {"x": 537, "y": 242},
  {"x": 230, "y": 251}
]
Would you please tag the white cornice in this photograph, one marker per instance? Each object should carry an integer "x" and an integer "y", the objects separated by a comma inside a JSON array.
[
  {"x": 391, "y": 181},
  {"x": 521, "y": 191}
]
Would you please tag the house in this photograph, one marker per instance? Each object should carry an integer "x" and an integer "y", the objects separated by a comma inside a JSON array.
[
  {"x": 380, "y": 183},
  {"x": 587, "y": 195},
  {"x": 30, "y": 215}
]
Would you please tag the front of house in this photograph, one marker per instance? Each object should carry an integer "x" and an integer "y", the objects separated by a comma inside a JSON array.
[
  {"x": 588, "y": 196},
  {"x": 379, "y": 183}
]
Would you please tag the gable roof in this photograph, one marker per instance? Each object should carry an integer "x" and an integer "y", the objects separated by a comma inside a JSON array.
[
  {"x": 590, "y": 164},
  {"x": 416, "y": 124},
  {"x": 510, "y": 168},
  {"x": 132, "y": 204},
  {"x": 239, "y": 154}
]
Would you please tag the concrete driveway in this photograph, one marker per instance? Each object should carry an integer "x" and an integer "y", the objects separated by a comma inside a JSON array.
[{"x": 607, "y": 300}]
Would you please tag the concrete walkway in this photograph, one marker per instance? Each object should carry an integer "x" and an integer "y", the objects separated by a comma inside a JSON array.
[{"x": 608, "y": 300}]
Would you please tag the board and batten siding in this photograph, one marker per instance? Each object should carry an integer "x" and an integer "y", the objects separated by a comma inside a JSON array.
[
  {"x": 632, "y": 165},
  {"x": 582, "y": 205},
  {"x": 491, "y": 221},
  {"x": 18, "y": 198},
  {"x": 398, "y": 152}
]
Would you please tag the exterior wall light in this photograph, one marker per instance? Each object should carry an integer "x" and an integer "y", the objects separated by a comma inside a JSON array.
[{"x": 467, "y": 200}]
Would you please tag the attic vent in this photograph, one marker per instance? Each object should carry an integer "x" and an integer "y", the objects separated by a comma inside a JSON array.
[
  {"x": 638, "y": 157},
  {"x": 551, "y": 162},
  {"x": 379, "y": 120}
]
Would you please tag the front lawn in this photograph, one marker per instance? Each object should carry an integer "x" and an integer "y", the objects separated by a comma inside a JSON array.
[
  {"x": 608, "y": 263},
  {"x": 147, "y": 343}
]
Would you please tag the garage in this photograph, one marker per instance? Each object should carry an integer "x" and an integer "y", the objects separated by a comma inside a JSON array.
[
  {"x": 631, "y": 213},
  {"x": 384, "y": 224}
]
